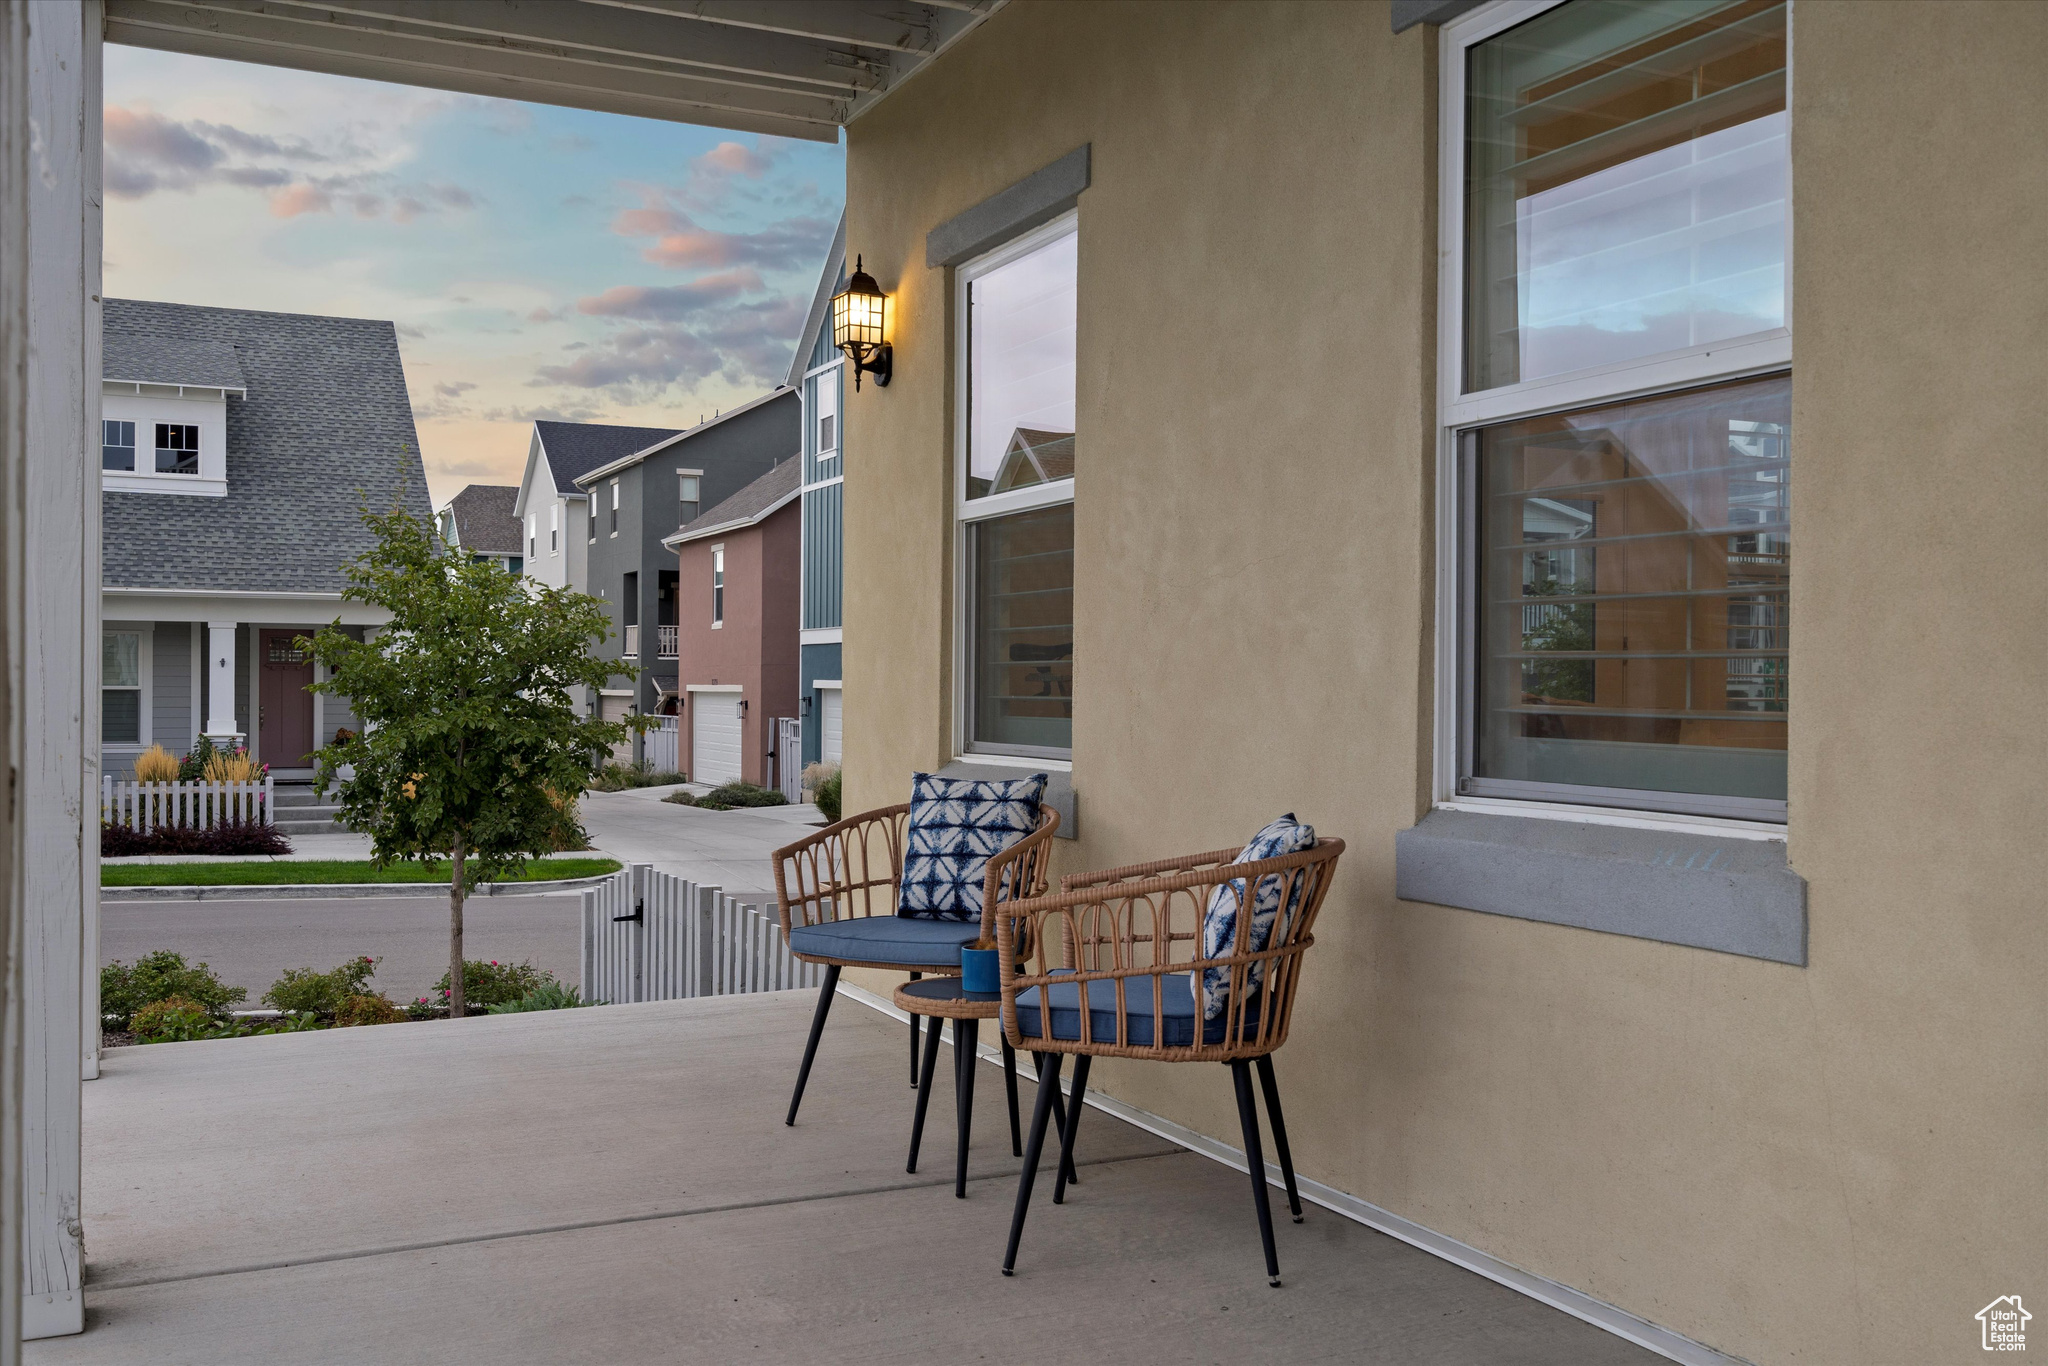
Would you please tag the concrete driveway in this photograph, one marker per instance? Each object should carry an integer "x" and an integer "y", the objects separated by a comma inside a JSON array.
[
  {"x": 616, "y": 1185},
  {"x": 728, "y": 849}
]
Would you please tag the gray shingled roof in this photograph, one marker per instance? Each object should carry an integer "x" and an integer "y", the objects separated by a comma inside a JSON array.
[
  {"x": 484, "y": 520},
  {"x": 170, "y": 360},
  {"x": 578, "y": 447},
  {"x": 326, "y": 430},
  {"x": 753, "y": 500}
]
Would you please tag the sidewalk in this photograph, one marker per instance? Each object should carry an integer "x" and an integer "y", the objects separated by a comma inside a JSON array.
[{"x": 728, "y": 849}]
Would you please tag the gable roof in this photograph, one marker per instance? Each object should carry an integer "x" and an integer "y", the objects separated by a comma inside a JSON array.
[
  {"x": 575, "y": 448},
  {"x": 325, "y": 431},
  {"x": 672, "y": 441},
  {"x": 483, "y": 518},
  {"x": 142, "y": 358},
  {"x": 750, "y": 505},
  {"x": 829, "y": 280}
]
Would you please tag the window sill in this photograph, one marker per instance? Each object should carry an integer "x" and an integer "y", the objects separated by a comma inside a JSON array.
[
  {"x": 189, "y": 485},
  {"x": 1689, "y": 885}
]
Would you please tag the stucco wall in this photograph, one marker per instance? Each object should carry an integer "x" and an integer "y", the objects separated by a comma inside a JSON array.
[{"x": 1840, "y": 1163}]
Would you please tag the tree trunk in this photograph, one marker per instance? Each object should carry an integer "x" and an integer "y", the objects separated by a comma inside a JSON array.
[{"x": 455, "y": 1007}]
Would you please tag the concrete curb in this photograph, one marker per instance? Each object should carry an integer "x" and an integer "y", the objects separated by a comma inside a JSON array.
[{"x": 337, "y": 891}]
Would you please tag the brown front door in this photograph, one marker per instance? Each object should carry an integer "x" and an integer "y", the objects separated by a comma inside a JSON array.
[{"x": 285, "y": 727}]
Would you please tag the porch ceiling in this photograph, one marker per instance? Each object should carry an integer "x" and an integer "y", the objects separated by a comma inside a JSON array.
[{"x": 793, "y": 68}]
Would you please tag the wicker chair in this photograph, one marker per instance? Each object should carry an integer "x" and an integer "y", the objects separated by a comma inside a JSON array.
[
  {"x": 837, "y": 892},
  {"x": 1131, "y": 939}
]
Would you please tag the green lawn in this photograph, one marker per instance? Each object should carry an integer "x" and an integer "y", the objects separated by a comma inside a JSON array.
[{"x": 295, "y": 873}]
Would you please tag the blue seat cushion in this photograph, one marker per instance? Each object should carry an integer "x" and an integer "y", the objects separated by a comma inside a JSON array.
[
  {"x": 956, "y": 825},
  {"x": 1177, "y": 1013},
  {"x": 913, "y": 941}
]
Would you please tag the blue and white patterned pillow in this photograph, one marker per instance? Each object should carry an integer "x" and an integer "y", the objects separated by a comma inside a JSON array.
[
  {"x": 956, "y": 825},
  {"x": 1219, "y": 926}
]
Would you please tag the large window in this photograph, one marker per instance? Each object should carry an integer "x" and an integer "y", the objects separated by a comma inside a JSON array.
[
  {"x": 1617, "y": 419},
  {"x": 121, "y": 688},
  {"x": 1016, "y": 496}
]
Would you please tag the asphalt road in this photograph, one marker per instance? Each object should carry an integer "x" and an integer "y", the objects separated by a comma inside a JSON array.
[{"x": 250, "y": 942}]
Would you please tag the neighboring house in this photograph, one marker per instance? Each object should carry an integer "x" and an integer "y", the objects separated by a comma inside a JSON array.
[
  {"x": 821, "y": 372},
  {"x": 238, "y": 453},
  {"x": 552, "y": 511},
  {"x": 637, "y": 498},
  {"x": 736, "y": 611},
  {"x": 482, "y": 520}
]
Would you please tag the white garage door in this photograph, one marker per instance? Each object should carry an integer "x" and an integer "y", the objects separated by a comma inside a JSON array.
[
  {"x": 831, "y": 726},
  {"x": 714, "y": 737}
]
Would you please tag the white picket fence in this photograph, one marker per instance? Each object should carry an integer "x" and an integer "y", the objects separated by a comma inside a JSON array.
[
  {"x": 649, "y": 936},
  {"x": 660, "y": 747},
  {"x": 199, "y": 806}
]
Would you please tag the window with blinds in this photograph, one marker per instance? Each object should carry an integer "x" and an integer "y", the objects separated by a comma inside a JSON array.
[
  {"x": 1631, "y": 579},
  {"x": 1626, "y": 168}
]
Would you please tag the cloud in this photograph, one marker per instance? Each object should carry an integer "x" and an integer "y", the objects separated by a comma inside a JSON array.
[
  {"x": 454, "y": 390},
  {"x": 543, "y": 414},
  {"x": 747, "y": 344},
  {"x": 294, "y": 200},
  {"x": 667, "y": 303},
  {"x": 408, "y": 330},
  {"x": 543, "y": 315},
  {"x": 682, "y": 243}
]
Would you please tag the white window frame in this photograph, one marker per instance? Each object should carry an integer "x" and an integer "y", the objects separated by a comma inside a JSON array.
[
  {"x": 533, "y": 535},
  {"x": 144, "y": 666},
  {"x": 554, "y": 528},
  {"x": 696, "y": 477},
  {"x": 717, "y": 587},
  {"x": 968, "y": 511},
  {"x": 615, "y": 507},
  {"x": 1460, "y": 413}
]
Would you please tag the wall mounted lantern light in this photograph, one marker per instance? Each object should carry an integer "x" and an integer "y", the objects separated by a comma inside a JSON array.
[{"x": 857, "y": 317}]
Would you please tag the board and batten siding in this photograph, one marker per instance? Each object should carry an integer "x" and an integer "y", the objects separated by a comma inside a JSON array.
[{"x": 823, "y": 556}]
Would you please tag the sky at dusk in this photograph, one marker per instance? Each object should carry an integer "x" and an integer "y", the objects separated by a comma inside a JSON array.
[{"x": 539, "y": 262}]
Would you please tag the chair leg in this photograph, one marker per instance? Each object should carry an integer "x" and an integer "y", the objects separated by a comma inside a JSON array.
[
  {"x": 1059, "y": 1115},
  {"x": 1272, "y": 1090},
  {"x": 966, "y": 1042},
  {"x": 1255, "y": 1158},
  {"x": 803, "y": 1073},
  {"x": 1048, "y": 1090},
  {"x": 924, "y": 1092},
  {"x": 1072, "y": 1127},
  {"x": 915, "y": 976},
  {"x": 1010, "y": 1085}
]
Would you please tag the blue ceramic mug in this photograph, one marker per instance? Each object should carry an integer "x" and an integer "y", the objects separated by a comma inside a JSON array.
[{"x": 978, "y": 971}]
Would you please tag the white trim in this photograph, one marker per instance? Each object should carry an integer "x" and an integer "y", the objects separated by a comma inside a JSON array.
[
  {"x": 736, "y": 524},
  {"x": 1459, "y": 412},
  {"x": 617, "y": 692},
  {"x": 824, "y": 683},
  {"x": 145, "y": 664},
  {"x": 203, "y": 391},
  {"x": 589, "y": 477},
  {"x": 821, "y": 635},
  {"x": 827, "y": 482},
  {"x": 1024, "y": 761},
  {"x": 714, "y": 687},
  {"x": 112, "y": 590},
  {"x": 165, "y": 485},
  {"x": 1577, "y": 1303}
]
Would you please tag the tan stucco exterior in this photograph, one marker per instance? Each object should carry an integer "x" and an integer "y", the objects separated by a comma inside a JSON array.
[{"x": 1838, "y": 1163}]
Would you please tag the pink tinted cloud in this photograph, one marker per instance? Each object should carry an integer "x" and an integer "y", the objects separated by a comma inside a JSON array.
[
  {"x": 294, "y": 200},
  {"x": 664, "y": 302}
]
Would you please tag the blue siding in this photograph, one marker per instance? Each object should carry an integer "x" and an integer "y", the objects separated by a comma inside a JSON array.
[{"x": 824, "y": 550}]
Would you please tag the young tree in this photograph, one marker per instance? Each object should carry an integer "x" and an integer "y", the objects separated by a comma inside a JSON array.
[{"x": 472, "y": 748}]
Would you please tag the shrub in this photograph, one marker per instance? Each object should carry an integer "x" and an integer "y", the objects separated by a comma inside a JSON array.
[
  {"x": 420, "y": 1008},
  {"x": 156, "y": 765},
  {"x": 249, "y": 838},
  {"x": 302, "y": 989},
  {"x": 565, "y": 833},
  {"x": 494, "y": 983},
  {"x": 617, "y": 777},
  {"x": 192, "y": 767},
  {"x": 366, "y": 1008},
  {"x": 547, "y": 996},
  {"x": 740, "y": 794},
  {"x": 232, "y": 766},
  {"x": 173, "y": 1019},
  {"x": 162, "y": 976},
  {"x": 827, "y": 796}
]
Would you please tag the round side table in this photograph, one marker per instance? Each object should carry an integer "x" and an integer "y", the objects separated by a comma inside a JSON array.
[{"x": 944, "y": 999}]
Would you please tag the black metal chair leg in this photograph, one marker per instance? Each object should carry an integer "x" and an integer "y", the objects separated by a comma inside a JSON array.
[
  {"x": 1059, "y": 1114},
  {"x": 924, "y": 1092},
  {"x": 1048, "y": 1090},
  {"x": 1255, "y": 1158},
  {"x": 1272, "y": 1091},
  {"x": 915, "y": 976},
  {"x": 1072, "y": 1127},
  {"x": 803, "y": 1073},
  {"x": 966, "y": 1042},
  {"x": 1010, "y": 1085}
]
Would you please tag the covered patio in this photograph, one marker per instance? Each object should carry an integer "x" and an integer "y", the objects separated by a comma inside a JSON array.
[{"x": 616, "y": 1185}]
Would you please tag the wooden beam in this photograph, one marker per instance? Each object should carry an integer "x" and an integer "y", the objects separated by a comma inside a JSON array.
[
  {"x": 901, "y": 27},
  {"x": 580, "y": 80}
]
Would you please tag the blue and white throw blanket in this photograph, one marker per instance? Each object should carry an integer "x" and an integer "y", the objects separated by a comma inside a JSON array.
[
  {"x": 1219, "y": 925},
  {"x": 956, "y": 826}
]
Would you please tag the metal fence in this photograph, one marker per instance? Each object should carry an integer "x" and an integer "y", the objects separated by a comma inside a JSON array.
[
  {"x": 662, "y": 746},
  {"x": 789, "y": 756},
  {"x": 649, "y": 936},
  {"x": 198, "y": 806}
]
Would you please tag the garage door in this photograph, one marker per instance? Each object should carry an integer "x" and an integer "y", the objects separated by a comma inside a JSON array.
[
  {"x": 617, "y": 707},
  {"x": 829, "y": 729},
  {"x": 714, "y": 737}
]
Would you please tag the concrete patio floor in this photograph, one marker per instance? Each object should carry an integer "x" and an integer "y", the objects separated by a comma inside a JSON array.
[{"x": 616, "y": 1185}]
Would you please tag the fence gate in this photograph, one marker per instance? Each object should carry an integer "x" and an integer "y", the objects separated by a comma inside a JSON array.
[
  {"x": 649, "y": 936},
  {"x": 662, "y": 753},
  {"x": 789, "y": 756}
]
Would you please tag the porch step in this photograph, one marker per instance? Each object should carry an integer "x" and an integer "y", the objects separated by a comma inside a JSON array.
[
  {"x": 302, "y": 811},
  {"x": 327, "y": 825}
]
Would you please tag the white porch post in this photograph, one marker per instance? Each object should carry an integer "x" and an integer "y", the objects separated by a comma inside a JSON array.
[
  {"x": 220, "y": 684},
  {"x": 58, "y": 719}
]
